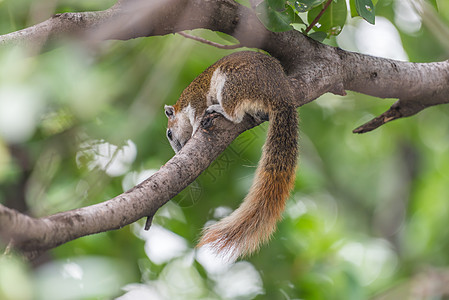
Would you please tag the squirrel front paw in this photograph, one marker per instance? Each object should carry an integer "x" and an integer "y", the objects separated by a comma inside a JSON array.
[{"x": 209, "y": 116}]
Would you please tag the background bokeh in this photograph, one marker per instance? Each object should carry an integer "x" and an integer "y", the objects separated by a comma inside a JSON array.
[{"x": 368, "y": 218}]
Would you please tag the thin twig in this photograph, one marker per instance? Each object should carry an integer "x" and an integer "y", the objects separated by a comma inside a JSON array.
[
  {"x": 317, "y": 18},
  {"x": 9, "y": 247},
  {"x": 148, "y": 222},
  {"x": 207, "y": 42}
]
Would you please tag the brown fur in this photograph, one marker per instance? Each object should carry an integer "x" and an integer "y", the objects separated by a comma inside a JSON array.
[
  {"x": 255, "y": 84},
  {"x": 253, "y": 223}
]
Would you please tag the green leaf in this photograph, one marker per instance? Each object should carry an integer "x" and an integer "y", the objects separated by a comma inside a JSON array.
[
  {"x": 244, "y": 3},
  {"x": 274, "y": 20},
  {"x": 278, "y": 5},
  {"x": 227, "y": 37},
  {"x": 297, "y": 19},
  {"x": 306, "y": 5},
  {"x": 434, "y": 4},
  {"x": 365, "y": 9},
  {"x": 318, "y": 36},
  {"x": 332, "y": 20},
  {"x": 353, "y": 9}
]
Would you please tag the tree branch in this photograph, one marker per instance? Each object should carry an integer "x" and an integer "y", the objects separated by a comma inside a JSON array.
[
  {"x": 308, "y": 63},
  {"x": 417, "y": 85},
  {"x": 207, "y": 42},
  {"x": 57, "y": 27}
]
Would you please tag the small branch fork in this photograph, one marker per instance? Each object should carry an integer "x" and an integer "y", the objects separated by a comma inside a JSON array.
[
  {"x": 210, "y": 43},
  {"x": 386, "y": 117},
  {"x": 317, "y": 18}
]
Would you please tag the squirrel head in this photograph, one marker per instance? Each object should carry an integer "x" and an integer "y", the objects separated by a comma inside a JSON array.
[{"x": 179, "y": 129}]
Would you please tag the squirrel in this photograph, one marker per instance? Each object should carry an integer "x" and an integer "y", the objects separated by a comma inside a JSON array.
[{"x": 238, "y": 84}]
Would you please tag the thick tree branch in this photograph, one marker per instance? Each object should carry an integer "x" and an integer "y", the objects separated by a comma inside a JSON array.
[
  {"x": 60, "y": 26},
  {"x": 416, "y": 85},
  {"x": 313, "y": 67}
]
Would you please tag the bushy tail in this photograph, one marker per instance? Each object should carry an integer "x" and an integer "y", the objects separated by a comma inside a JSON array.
[{"x": 253, "y": 223}]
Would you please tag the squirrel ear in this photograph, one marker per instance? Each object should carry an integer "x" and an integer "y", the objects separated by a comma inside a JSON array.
[{"x": 169, "y": 111}]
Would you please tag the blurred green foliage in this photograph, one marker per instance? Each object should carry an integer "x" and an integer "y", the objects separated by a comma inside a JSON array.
[{"x": 80, "y": 125}]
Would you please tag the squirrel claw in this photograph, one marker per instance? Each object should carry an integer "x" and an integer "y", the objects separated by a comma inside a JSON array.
[{"x": 208, "y": 118}]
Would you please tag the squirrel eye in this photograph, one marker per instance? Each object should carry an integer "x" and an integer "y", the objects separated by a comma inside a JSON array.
[{"x": 169, "y": 134}]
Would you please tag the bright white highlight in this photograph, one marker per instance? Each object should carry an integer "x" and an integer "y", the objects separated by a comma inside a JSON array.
[
  {"x": 20, "y": 109},
  {"x": 72, "y": 270},
  {"x": 162, "y": 245},
  {"x": 88, "y": 277},
  {"x": 374, "y": 259},
  {"x": 406, "y": 17},
  {"x": 381, "y": 40},
  {"x": 134, "y": 178},
  {"x": 113, "y": 160},
  {"x": 232, "y": 280}
]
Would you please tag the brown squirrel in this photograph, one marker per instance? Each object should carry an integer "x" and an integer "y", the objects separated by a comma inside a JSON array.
[{"x": 255, "y": 84}]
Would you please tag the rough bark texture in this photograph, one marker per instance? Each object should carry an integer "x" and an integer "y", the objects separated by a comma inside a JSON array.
[{"x": 313, "y": 68}]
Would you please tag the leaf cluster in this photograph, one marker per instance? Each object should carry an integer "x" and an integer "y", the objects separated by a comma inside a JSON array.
[{"x": 322, "y": 18}]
